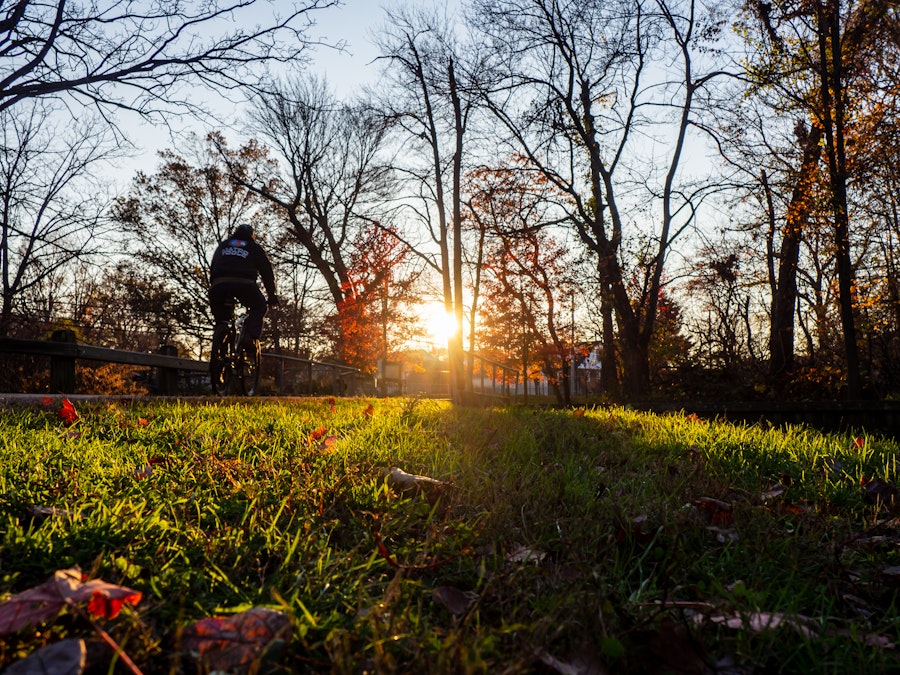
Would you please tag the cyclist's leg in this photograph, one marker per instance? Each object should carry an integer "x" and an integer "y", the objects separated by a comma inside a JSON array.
[
  {"x": 255, "y": 302},
  {"x": 222, "y": 306},
  {"x": 253, "y": 299}
]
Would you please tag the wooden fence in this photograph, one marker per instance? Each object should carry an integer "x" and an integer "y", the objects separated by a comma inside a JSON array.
[{"x": 291, "y": 374}]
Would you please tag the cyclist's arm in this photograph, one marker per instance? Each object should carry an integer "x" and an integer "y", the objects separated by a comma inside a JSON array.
[{"x": 266, "y": 273}]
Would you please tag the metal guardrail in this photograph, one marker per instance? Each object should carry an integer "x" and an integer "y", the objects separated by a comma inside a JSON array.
[{"x": 292, "y": 372}]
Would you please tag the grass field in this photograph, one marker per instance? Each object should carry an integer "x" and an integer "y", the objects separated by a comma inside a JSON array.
[{"x": 556, "y": 541}]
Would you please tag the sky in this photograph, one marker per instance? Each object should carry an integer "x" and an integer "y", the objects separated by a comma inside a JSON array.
[
  {"x": 352, "y": 23},
  {"x": 346, "y": 71}
]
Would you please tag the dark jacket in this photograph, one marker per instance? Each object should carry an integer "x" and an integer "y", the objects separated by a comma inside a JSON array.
[{"x": 241, "y": 260}]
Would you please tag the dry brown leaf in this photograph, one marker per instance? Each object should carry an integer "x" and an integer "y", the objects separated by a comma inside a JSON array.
[
  {"x": 233, "y": 644},
  {"x": 455, "y": 600}
]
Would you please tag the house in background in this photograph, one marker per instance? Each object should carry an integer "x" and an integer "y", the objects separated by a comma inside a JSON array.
[{"x": 587, "y": 372}]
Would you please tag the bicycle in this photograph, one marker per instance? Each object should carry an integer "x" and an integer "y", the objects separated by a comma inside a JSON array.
[{"x": 234, "y": 364}]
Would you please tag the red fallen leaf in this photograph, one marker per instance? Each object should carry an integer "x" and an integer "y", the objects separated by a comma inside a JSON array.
[
  {"x": 45, "y": 602},
  {"x": 46, "y": 401},
  {"x": 579, "y": 412},
  {"x": 317, "y": 434},
  {"x": 369, "y": 411},
  {"x": 234, "y": 643},
  {"x": 859, "y": 442},
  {"x": 67, "y": 413},
  {"x": 142, "y": 422},
  {"x": 331, "y": 400},
  {"x": 795, "y": 509},
  {"x": 328, "y": 442}
]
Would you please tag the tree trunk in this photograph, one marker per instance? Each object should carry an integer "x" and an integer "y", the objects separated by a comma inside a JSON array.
[
  {"x": 784, "y": 296},
  {"x": 832, "y": 91}
]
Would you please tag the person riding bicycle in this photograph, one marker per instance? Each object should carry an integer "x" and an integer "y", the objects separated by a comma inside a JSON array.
[{"x": 233, "y": 270}]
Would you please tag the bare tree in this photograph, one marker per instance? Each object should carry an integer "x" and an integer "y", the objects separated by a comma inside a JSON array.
[
  {"x": 51, "y": 206},
  {"x": 570, "y": 89},
  {"x": 430, "y": 100},
  {"x": 137, "y": 55},
  {"x": 331, "y": 177}
]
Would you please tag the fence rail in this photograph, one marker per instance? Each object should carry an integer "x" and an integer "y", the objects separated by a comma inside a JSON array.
[
  {"x": 290, "y": 373},
  {"x": 492, "y": 378}
]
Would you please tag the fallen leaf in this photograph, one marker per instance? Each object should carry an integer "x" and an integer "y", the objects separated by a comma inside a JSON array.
[
  {"x": 525, "y": 554},
  {"x": 832, "y": 465},
  {"x": 369, "y": 411},
  {"x": 45, "y": 602},
  {"x": 724, "y": 535},
  {"x": 878, "y": 490},
  {"x": 455, "y": 600},
  {"x": 580, "y": 664},
  {"x": 891, "y": 575},
  {"x": 233, "y": 644},
  {"x": 67, "y": 413},
  {"x": 67, "y": 657},
  {"x": 758, "y": 622},
  {"x": 775, "y": 491},
  {"x": 327, "y": 442},
  {"x": 46, "y": 511},
  {"x": 144, "y": 472},
  {"x": 409, "y": 482}
]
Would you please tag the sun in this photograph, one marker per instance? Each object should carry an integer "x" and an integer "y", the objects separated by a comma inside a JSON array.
[{"x": 439, "y": 325}]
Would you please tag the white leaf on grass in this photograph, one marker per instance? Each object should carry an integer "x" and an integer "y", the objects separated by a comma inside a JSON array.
[
  {"x": 724, "y": 535},
  {"x": 524, "y": 554}
]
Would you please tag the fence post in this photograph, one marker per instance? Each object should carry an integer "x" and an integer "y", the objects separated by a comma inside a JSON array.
[
  {"x": 62, "y": 368},
  {"x": 168, "y": 377}
]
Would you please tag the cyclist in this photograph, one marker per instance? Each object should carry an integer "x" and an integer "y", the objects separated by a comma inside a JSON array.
[{"x": 233, "y": 270}]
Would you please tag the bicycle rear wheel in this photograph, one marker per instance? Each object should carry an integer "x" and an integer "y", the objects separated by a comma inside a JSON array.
[
  {"x": 247, "y": 367},
  {"x": 220, "y": 361}
]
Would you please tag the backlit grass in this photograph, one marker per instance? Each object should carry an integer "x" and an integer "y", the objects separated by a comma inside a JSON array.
[{"x": 606, "y": 538}]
